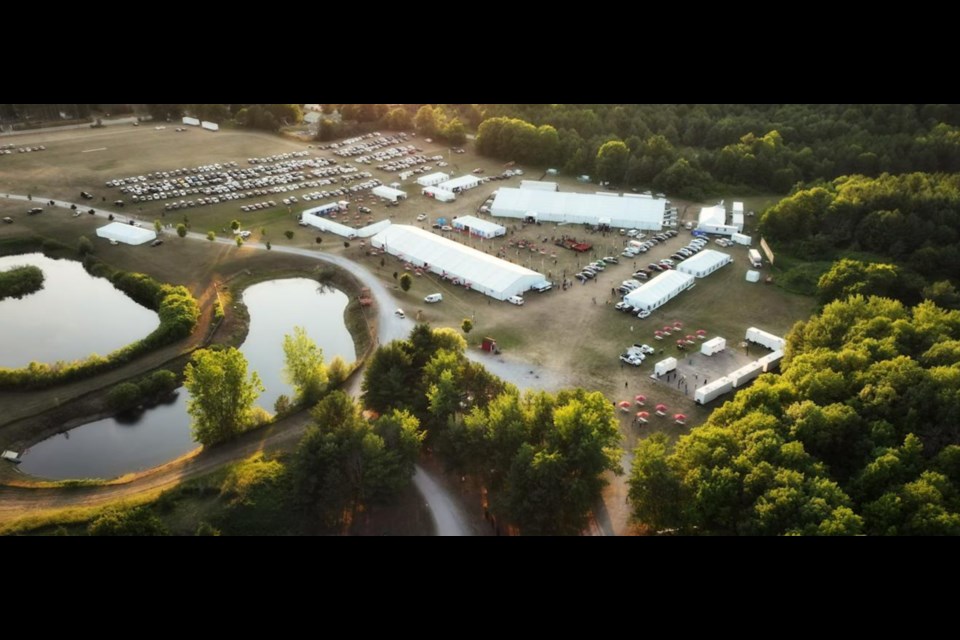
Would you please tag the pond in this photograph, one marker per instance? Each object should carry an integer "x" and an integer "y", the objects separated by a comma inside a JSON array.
[
  {"x": 74, "y": 316},
  {"x": 114, "y": 446}
]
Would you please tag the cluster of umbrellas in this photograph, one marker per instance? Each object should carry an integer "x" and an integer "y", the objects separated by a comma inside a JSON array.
[{"x": 643, "y": 416}]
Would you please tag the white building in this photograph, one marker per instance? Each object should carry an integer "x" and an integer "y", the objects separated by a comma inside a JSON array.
[
  {"x": 126, "y": 233},
  {"x": 589, "y": 208},
  {"x": 660, "y": 290},
  {"x": 389, "y": 193},
  {"x": 704, "y": 263},
  {"x": 439, "y": 194},
  {"x": 466, "y": 266},
  {"x": 714, "y": 220},
  {"x": 456, "y": 185},
  {"x": 432, "y": 179},
  {"x": 479, "y": 227},
  {"x": 539, "y": 185}
]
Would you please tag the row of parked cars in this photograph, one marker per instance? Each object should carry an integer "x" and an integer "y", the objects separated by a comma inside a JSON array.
[
  {"x": 8, "y": 149},
  {"x": 695, "y": 246},
  {"x": 638, "y": 246},
  {"x": 591, "y": 270},
  {"x": 277, "y": 158},
  {"x": 636, "y": 354}
]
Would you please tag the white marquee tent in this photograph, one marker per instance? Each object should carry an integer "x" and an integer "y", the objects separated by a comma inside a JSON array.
[
  {"x": 558, "y": 206},
  {"x": 479, "y": 227},
  {"x": 432, "y": 179},
  {"x": 126, "y": 233},
  {"x": 460, "y": 184},
  {"x": 704, "y": 263},
  {"x": 660, "y": 290},
  {"x": 479, "y": 271},
  {"x": 439, "y": 194},
  {"x": 540, "y": 185},
  {"x": 389, "y": 193}
]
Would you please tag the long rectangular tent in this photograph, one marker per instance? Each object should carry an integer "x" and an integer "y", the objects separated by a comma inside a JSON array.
[
  {"x": 433, "y": 179},
  {"x": 461, "y": 183},
  {"x": 389, "y": 193},
  {"x": 474, "y": 269},
  {"x": 479, "y": 227},
  {"x": 704, "y": 263},
  {"x": 577, "y": 208},
  {"x": 659, "y": 291},
  {"x": 126, "y": 233}
]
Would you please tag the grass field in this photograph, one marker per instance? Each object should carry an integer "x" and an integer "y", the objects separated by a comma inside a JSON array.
[{"x": 575, "y": 334}]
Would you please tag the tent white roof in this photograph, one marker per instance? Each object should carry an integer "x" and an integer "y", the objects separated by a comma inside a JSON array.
[
  {"x": 433, "y": 178},
  {"x": 665, "y": 285},
  {"x": 490, "y": 275},
  {"x": 461, "y": 182},
  {"x": 715, "y": 215},
  {"x": 126, "y": 233},
  {"x": 560, "y": 206},
  {"x": 541, "y": 185},
  {"x": 738, "y": 207},
  {"x": 388, "y": 192},
  {"x": 706, "y": 260},
  {"x": 485, "y": 227},
  {"x": 440, "y": 194},
  {"x": 332, "y": 226},
  {"x": 753, "y": 276}
]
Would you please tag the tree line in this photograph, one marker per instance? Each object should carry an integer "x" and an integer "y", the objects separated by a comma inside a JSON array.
[
  {"x": 911, "y": 220},
  {"x": 856, "y": 435},
  {"x": 268, "y": 117}
]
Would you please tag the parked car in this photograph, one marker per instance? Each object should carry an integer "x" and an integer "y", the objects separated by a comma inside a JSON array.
[
  {"x": 399, "y": 313},
  {"x": 653, "y": 266},
  {"x": 517, "y": 300},
  {"x": 644, "y": 313},
  {"x": 421, "y": 217},
  {"x": 8, "y": 219},
  {"x": 434, "y": 297},
  {"x": 645, "y": 348},
  {"x": 633, "y": 233},
  {"x": 157, "y": 242},
  {"x": 631, "y": 359},
  {"x": 623, "y": 306},
  {"x": 611, "y": 260}
]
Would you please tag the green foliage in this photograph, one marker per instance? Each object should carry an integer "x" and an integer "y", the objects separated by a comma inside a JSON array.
[
  {"x": 207, "y": 529},
  {"x": 234, "y": 224},
  {"x": 158, "y": 384},
  {"x": 406, "y": 281},
  {"x": 337, "y": 372},
  {"x": 849, "y": 277},
  {"x": 211, "y": 235},
  {"x": 399, "y": 119},
  {"x": 221, "y": 395},
  {"x": 427, "y": 121},
  {"x": 282, "y": 406},
  {"x": 467, "y": 325},
  {"x": 182, "y": 230},
  {"x": 157, "y": 226},
  {"x": 127, "y": 522},
  {"x": 612, "y": 161},
  {"x": 256, "y": 494},
  {"x": 84, "y": 246},
  {"x": 123, "y": 396},
  {"x": 344, "y": 462},
  {"x": 856, "y": 435},
  {"x": 304, "y": 367},
  {"x": 288, "y": 234},
  {"x": 239, "y": 241},
  {"x": 455, "y": 132},
  {"x": 18, "y": 282}
]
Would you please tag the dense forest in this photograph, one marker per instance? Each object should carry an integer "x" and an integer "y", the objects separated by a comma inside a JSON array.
[{"x": 856, "y": 435}]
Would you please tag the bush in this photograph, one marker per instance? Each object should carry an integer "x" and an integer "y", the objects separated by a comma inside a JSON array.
[
  {"x": 158, "y": 384},
  {"x": 123, "y": 396},
  {"x": 211, "y": 236},
  {"x": 128, "y": 522},
  {"x": 182, "y": 230},
  {"x": 84, "y": 246},
  {"x": 406, "y": 282},
  {"x": 337, "y": 372},
  {"x": 20, "y": 281},
  {"x": 289, "y": 234}
]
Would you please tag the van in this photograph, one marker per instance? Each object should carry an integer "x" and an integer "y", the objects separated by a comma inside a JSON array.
[
  {"x": 434, "y": 297},
  {"x": 543, "y": 287},
  {"x": 755, "y": 260}
]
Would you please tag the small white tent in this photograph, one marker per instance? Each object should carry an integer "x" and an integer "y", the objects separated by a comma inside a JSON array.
[
  {"x": 479, "y": 227},
  {"x": 389, "y": 193}
]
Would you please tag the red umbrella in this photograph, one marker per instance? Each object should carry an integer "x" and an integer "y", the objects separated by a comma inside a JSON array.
[
  {"x": 701, "y": 332},
  {"x": 680, "y": 341},
  {"x": 677, "y": 324},
  {"x": 667, "y": 329},
  {"x": 680, "y": 418},
  {"x": 658, "y": 332},
  {"x": 640, "y": 400},
  {"x": 643, "y": 415},
  {"x": 661, "y": 408}
]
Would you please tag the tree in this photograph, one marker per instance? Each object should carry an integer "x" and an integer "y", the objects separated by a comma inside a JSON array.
[
  {"x": 288, "y": 234},
  {"x": 399, "y": 119},
  {"x": 211, "y": 235},
  {"x": 386, "y": 379},
  {"x": 406, "y": 282},
  {"x": 654, "y": 488},
  {"x": 466, "y": 325},
  {"x": 127, "y": 522},
  {"x": 612, "y": 160},
  {"x": 123, "y": 396},
  {"x": 182, "y": 230},
  {"x": 426, "y": 122},
  {"x": 943, "y": 293},
  {"x": 343, "y": 462},
  {"x": 455, "y": 132},
  {"x": 84, "y": 246},
  {"x": 234, "y": 225},
  {"x": 304, "y": 367},
  {"x": 221, "y": 394},
  {"x": 239, "y": 241},
  {"x": 157, "y": 226}
]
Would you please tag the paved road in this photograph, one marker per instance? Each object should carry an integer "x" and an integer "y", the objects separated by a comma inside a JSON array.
[{"x": 447, "y": 515}]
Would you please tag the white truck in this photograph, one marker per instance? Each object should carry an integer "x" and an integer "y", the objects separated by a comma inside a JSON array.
[{"x": 755, "y": 260}]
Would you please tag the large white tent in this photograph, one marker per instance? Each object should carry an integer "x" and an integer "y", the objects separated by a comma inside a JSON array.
[
  {"x": 126, "y": 233},
  {"x": 479, "y": 227},
  {"x": 433, "y": 179},
  {"x": 660, "y": 290},
  {"x": 477, "y": 270},
  {"x": 589, "y": 208},
  {"x": 539, "y": 185},
  {"x": 332, "y": 226},
  {"x": 439, "y": 194},
  {"x": 704, "y": 263},
  {"x": 389, "y": 193},
  {"x": 460, "y": 184}
]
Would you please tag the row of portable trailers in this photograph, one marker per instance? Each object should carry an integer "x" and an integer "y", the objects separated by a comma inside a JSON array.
[{"x": 744, "y": 374}]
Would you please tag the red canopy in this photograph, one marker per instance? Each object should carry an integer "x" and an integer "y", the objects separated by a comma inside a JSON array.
[
  {"x": 691, "y": 338},
  {"x": 643, "y": 414},
  {"x": 701, "y": 332},
  {"x": 677, "y": 324},
  {"x": 624, "y": 404},
  {"x": 658, "y": 332},
  {"x": 667, "y": 329},
  {"x": 661, "y": 407},
  {"x": 679, "y": 416},
  {"x": 640, "y": 399}
]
